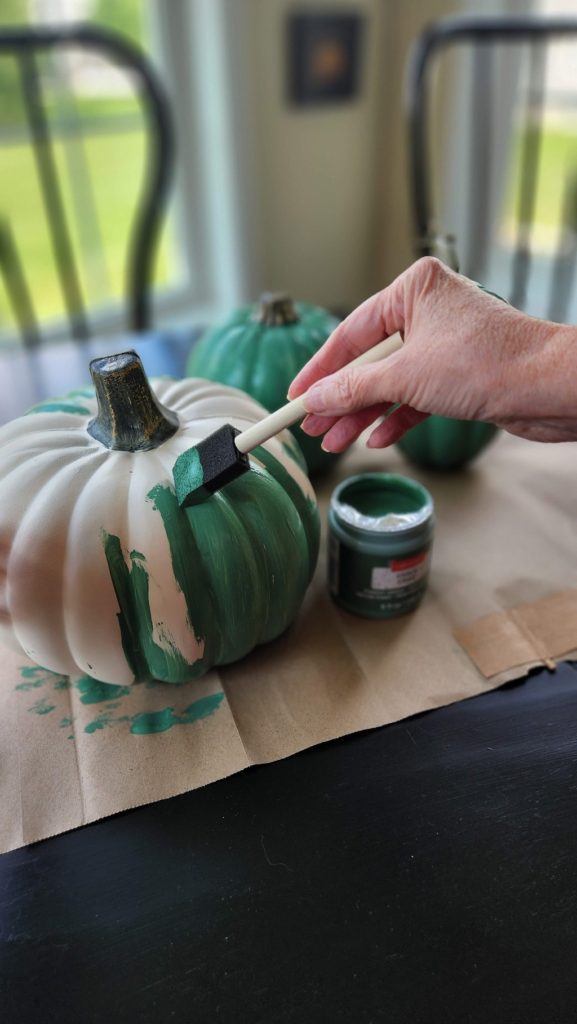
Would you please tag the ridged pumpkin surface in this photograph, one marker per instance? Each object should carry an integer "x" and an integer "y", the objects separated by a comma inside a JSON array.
[
  {"x": 262, "y": 359},
  {"x": 102, "y": 574},
  {"x": 442, "y": 443}
]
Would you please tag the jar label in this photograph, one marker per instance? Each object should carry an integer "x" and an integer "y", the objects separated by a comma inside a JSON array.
[
  {"x": 392, "y": 588},
  {"x": 401, "y": 572}
]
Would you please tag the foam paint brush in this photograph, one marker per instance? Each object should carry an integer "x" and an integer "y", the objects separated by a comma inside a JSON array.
[{"x": 223, "y": 456}]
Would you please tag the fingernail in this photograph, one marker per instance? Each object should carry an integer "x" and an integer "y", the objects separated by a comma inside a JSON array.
[{"x": 314, "y": 399}]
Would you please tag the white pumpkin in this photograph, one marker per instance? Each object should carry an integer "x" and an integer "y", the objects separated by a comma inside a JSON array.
[{"x": 102, "y": 574}]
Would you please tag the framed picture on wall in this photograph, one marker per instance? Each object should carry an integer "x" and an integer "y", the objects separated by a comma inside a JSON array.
[{"x": 323, "y": 57}]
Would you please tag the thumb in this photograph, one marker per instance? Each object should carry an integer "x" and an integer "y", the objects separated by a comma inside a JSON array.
[{"x": 355, "y": 388}]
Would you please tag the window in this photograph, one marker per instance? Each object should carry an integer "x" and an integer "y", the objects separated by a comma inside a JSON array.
[{"x": 98, "y": 140}]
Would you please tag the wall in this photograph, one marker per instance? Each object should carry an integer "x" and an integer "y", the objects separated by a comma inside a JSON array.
[
  {"x": 314, "y": 201},
  {"x": 316, "y": 166},
  {"x": 329, "y": 214}
]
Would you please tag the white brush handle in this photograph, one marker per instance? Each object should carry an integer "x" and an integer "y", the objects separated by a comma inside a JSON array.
[{"x": 294, "y": 411}]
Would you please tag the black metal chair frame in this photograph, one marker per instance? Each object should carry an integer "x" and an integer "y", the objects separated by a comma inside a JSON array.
[
  {"x": 24, "y": 44},
  {"x": 480, "y": 32}
]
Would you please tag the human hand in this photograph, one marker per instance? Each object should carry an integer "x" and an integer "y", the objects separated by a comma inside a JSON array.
[{"x": 466, "y": 355}]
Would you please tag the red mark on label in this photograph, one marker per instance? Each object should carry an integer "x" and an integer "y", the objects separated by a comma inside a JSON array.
[{"x": 398, "y": 564}]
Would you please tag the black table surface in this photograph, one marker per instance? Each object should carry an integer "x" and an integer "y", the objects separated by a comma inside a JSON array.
[
  {"x": 425, "y": 872},
  {"x": 422, "y": 872}
]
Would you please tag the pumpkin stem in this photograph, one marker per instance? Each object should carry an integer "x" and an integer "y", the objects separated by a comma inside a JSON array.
[
  {"x": 276, "y": 309},
  {"x": 130, "y": 417}
]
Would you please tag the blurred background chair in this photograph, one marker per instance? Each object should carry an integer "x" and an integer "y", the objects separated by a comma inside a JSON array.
[
  {"x": 44, "y": 59},
  {"x": 492, "y": 109}
]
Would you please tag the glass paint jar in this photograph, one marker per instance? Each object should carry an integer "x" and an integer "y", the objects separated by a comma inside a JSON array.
[{"x": 380, "y": 537}]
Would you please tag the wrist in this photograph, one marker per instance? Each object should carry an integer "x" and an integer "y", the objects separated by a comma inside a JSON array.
[{"x": 539, "y": 372}]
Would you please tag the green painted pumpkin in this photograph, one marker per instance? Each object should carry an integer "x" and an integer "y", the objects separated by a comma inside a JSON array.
[
  {"x": 102, "y": 574},
  {"x": 446, "y": 444},
  {"x": 260, "y": 349}
]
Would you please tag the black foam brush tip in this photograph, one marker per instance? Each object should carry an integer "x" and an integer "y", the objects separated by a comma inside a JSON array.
[{"x": 208, "y": 466}]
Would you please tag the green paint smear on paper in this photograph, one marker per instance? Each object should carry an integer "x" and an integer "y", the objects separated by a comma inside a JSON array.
[
  {"x": 95, "y": 692},
  {"x": 42, "y": 706},
  {"x": 146, "y": 658},
  {"x": 159, "y": 721},
  {"x": 105, "y": 718},
  {"x": 33, "y": 676},
  {"x": 146, "y": 723}
]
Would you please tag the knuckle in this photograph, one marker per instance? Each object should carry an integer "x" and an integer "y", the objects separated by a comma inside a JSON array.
[
  {"x": 349, "y": 390},
  {"x": 431, "y": 268}
]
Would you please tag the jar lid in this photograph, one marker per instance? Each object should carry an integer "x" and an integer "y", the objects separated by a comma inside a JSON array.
[{"x": 382, "y": 503}]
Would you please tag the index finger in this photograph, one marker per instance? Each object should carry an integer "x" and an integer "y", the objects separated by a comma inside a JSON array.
[{"x": 362, "y": 329}]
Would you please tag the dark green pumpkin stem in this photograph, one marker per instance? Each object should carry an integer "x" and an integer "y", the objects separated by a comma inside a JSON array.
[
  {"x": 276, "y": 309},
  {"x": 130, "y": 417}
]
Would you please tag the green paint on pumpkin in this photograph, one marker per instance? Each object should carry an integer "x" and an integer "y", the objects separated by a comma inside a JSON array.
[
  {"x": 59, "y": 406},
  {"x": 144, "y": 655},
  {"x": 257, "y": 559},
  {"x": 262, "y": 358},
  {"x": 242, "y": 582},
  {"x": 187, "y": 473},
  {"x": 306, "y": 507},
  {"x": 190, "y": 575}
]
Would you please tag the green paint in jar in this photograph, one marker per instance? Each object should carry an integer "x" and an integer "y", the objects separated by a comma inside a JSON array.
[{"x": 380, "y": 537}]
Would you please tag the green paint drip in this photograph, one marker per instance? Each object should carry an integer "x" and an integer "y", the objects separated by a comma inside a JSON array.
[
  {"x": 95, "y": 692},
  {"x": 146, "y": 658},
  {"x": 159, "y": 721}
]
